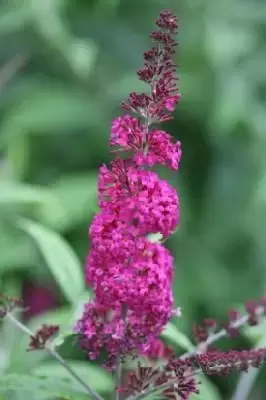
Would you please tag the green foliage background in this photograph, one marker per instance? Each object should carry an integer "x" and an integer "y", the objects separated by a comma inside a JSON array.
[{"x": 66, "y": 65}]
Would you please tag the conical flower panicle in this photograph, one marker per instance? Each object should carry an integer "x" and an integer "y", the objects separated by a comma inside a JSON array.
[{"x": 131, "y": 276}]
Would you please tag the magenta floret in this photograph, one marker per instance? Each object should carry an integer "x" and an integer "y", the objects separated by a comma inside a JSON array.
[{"x": 132, "y": 276}]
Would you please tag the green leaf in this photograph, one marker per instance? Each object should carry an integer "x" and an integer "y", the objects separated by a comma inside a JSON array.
[
  {"x": 60, "y": 316},
  {"x": 20, "y": 359},
  {"x": 95, "y": 376},
  {"x": 25, "y": 255},
  {"x": 60, "y": 258},
  {"x": 81, "y": 55},
  {"x": 208, "y": 390},
  {"x": 119, "y": 88},
  {"x": 79, "y": 306},
  {"x": 53, "y": 109},
  {"x": 18, "y": 193},
  {"x": 12, "y": 286},
  {"x": 13, "y": 16},
  {"x": 66, "y": 341},
  {"x": 172, "y": 334},
  {"x": 256, "y": 333},
  {"x": 17, "y": 154},
  {"x": 77, "y": 195},
  {"x": 18, "y": 387},
  {"x": 248, "y": 378},
  {"x": 33, "y": 199},
  {"x": 68, "y": 347}
]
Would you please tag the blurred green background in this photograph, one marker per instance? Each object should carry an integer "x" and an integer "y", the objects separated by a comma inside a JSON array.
[{"x": 65, "y": 67}]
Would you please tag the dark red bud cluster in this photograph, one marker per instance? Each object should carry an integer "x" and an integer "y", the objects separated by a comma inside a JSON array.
[
  {"x": 251, "y": 308},
  {"x": 159, "y": 350},
  {"x": 159, "y": 73},
  {"x": 9, "y": 304},
  {"x": 165, "y": 38},
  {"x": 167, "y": 21},
  {"x": 200, "y": 333},
  {"x": 40, "y": 338},
  {"x": 141, "y": 379},
  {"x": 186, "y": 383},
  {"x": 254, "y": 310},
  {"x": 179, "y": 374},
  {"x": 217, "y": 362}
]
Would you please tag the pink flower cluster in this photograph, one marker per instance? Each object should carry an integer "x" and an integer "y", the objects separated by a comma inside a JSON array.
[
  {"x": 132, "y": 276},
  {"x": 139, "y": 198},
  {"x": 156, "y": 148}
]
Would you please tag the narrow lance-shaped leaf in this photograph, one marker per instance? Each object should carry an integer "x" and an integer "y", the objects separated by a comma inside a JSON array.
[
  {"x": 97, "y": 377},
  {"x": 207, "y": 390},
  {"x": 18, "y": 193},
  {"x": 18, "y": 387},
  {"x": 60, "y": 258},
  {"x": 177, "y": 338}
]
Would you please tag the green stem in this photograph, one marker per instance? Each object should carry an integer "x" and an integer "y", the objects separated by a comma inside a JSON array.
[
  {"x": 118, "y": 378},
  {"x": 247, "y": 379},
  {"x": 10, "y": 69},
  {"x": 119, "y": 367},
  {"x": 55, "y": 355},
  {"x": 222, "y": 333}
]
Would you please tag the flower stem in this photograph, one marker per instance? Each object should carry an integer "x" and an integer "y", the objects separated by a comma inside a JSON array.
[
  {"x": 8, "y": 71},
  {"x": 159, "y": 388},
  {"x": 119, "y": 366},
  {"x": 211, "y": 339},
  {"x": 118, "y": 378},
  {"x": 55, "y": 355},
  {"x": 222, "y": 333},
  {"x": 247, "y": 379}
]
